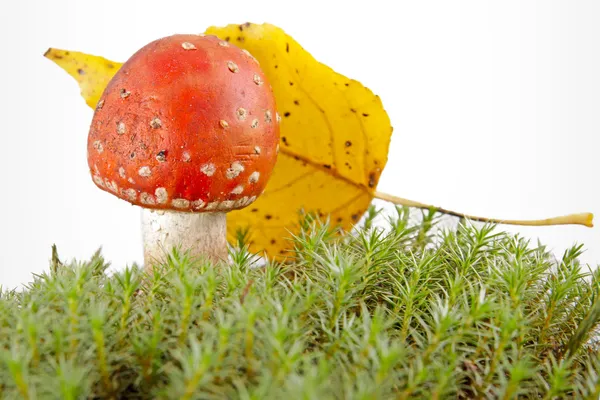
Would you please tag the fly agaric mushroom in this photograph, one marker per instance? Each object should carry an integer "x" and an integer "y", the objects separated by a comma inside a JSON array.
[{"x": 187, "y": 130}]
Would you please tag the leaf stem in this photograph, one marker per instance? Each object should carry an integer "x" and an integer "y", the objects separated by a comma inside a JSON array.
[{"x": 585, "y": 219}]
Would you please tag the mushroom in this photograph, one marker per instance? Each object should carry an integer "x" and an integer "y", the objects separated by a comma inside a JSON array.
[{"x": 184, "y": 131}]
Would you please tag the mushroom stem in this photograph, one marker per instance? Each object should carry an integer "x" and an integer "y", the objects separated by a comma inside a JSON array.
[{"x": 204, "y": 235}]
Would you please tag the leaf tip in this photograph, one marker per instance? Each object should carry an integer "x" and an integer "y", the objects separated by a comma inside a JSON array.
[{"x": 589, "y": 221}]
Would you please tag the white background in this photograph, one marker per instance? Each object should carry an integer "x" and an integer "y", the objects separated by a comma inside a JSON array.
[{"x": 496, "y": 109}]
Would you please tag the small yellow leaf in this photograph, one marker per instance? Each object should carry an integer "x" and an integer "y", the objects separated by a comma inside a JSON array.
[
  {"x": 92, "y": 73},
  {"x": 335, "y": 136}
]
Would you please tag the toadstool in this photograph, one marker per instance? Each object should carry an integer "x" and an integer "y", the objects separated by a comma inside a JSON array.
[{"x": 185, "y": 131}]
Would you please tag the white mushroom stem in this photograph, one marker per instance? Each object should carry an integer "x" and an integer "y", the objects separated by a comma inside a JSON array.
[{"x": 202, "y": 234}]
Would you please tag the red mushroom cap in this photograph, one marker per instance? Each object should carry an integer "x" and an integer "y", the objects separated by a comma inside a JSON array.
[{"x": 188, "y": 123}]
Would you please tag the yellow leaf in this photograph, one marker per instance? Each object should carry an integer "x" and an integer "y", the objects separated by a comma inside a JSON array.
[
  {"x": 92, "y": 73},
  {"x": 334, "y": 143}
]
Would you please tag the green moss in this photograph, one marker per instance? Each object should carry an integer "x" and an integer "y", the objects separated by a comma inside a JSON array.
[{"x": 398, "y": 313}]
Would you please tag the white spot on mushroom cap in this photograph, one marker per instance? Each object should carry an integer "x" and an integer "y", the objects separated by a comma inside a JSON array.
[
  {"x": 122, "y": 172},
  {"x": 198, "y": 204},
  {"x": 278, "y": 117},
  {"x": 257, "y": 79},
  {"x": 124, "y": 93},
  {"x": 131, "y": 194},
  {"x": 268, "y": 116},
  {"x": 233, "y": 67},
  {"x": 180, "y": 203},
  {"x": 147, "y": 198},
  {"x": 121, "y": 127},
  {"x": 98, "y": 180},
  {"x": 212, "y": 206},
  {"x": 223, "y": 43},
  {"x": 256, "y": 150},
  {"x": 237, "y": 190},
  {"x": 130, "y": 180},
  {"x": 188, "y": 46},
  {"x": 186, "y": 157},
  {"x": 155, "y": 123},
  {"x": 226, "y": 205},
  {"x": 111, "y": 185},
  {"x": 224, "y": 124},
  {"x": 241, "y": 113},
  {"x": 208, "y": 169},
  {"x": 98, "y": 146},
  {"x": 100, "y": 105},
  {"x": 240, "y": 202},
  {"x": 161, "y": 195},
  {"x": 235, "y": 169},
  {"x": 253, "y": 178},
  {"x": 145, "y": 171},
  {"x": 254, "y": 124}
]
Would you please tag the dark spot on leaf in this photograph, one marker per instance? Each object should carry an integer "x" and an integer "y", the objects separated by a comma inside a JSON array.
[
  {"x": 273, "y": 241},
  {"x": 346, "y": 84},
  {"x": 327, "y": 166},
  {"x": 276, "y": 66},
  {"x": 291, "y": 83},
  {"x": 67, "y": 53},
  {"x": 287, "y": 47},
  {"x": 372, "y": 180},
  {"x": 347, "y": 153},
  {"x": 239, "y": 38},
  {"x": 227, "y": 39},
  {"x": 281, "y": 251},
  {"x": 348, "y": 143},
  {"x": 296, "y": 158},
  {"x": 110, "y": 65},
  {"x": 241, "y": 28},
  {"x": 268, "y": 216},
  {"x": 365, "y": 114},
  {"x": 354, "y": 217},
  {"x": 298, "y": 72},
  {"x": 286, "y": 114},
  {"x": 81, "y": 71},
  {"x": 353, "y": 110},
  {"x": 339, "y": 219},
  {"x": 296, "y": 102},
  {"x": 376, "y": 162},
  {"x": 284, "y": 140}
]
